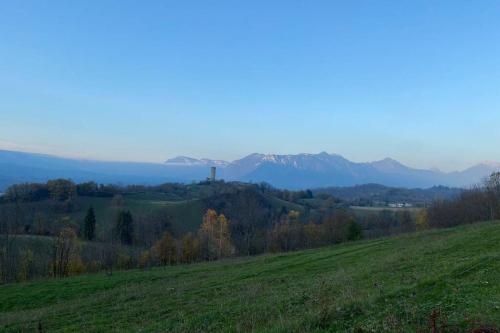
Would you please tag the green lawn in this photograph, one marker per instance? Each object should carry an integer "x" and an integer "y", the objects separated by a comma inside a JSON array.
[{"x": 386, "y": 285}]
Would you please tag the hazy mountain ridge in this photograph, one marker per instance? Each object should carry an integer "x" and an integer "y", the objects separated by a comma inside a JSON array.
[
  {"x": 284, "y": 171},
  {"x": 323, "y": 169}
]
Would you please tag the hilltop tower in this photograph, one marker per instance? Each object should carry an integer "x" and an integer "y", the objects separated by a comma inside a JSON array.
[{"x": 212, "y": 174}]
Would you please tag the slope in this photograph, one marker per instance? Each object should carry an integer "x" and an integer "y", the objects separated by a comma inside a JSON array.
[{"x": 386, "y": 285}]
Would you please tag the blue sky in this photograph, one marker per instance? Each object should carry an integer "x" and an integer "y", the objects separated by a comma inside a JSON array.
[{"x": 418, "y": 81}]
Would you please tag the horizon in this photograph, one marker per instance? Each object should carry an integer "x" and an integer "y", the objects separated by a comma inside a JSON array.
[
  {"x": 489, "y": 163},
  {"x": 123, "y": 82}
]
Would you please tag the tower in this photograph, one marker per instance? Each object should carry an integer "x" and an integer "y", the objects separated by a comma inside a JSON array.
[{"x": 212, "y": 174}]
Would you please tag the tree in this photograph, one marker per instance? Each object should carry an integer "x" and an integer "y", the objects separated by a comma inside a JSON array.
[
  {"x": 215, "y": 236},
  {"x": 124, "y": 227},
  {"x": 405, "y": 221},
  {"x": 89, "y": 225},
  {"x": 144, "y": 259},
  {"x": 65, "y": 251},
  {"x": 165, "y": 250},
  {"x": 335, "y": 226},
  {"x": 312, "y": 235},
  {"x": 87, "y": 189},
  {"x": 223, "y": 236},
  {"x": 492, "y": 186},
  {"x": 27, "y": 192},
  {"x": 421, "y": 220},
  {"x": 190, "y": 248},
  {"x": 287, "y": 233},
  {"x": 354, "y": 231},
  {"x": 10, "y": 221},
  {"x": 61, "y": 189}
]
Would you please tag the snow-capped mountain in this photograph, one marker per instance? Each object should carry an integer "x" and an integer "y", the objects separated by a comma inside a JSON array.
[
  {"x": 318, "y": 170},
  {"x": 285, "y": 171}
]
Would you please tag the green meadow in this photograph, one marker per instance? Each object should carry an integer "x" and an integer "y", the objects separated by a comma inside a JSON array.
[{"x": 385, "y": 285}]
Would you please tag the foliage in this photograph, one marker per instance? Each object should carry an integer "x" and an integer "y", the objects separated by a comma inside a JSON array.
[
  {"x": 262, "y": 219},
  {"x": 165, "y": 250},
  {"x": 215, "y": 236},
  {"x": 61, "y": 189}
]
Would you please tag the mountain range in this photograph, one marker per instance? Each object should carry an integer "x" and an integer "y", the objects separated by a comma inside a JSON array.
[{"x": 298, "y": 171}]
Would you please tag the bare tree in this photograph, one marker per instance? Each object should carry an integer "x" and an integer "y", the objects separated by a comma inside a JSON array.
[
  {"x": 492, "y": 187},
  {"x": 64, "y": 250},
  {"x": 10, "y": 220}
]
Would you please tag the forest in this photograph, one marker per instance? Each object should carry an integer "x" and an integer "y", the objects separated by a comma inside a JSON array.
[{"x": 61, "y": 228}]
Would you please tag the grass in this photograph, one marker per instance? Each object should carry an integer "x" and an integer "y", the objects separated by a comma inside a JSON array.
[
  {"x": 385, "y": 285},
  {"x": 186, "y": 216}
]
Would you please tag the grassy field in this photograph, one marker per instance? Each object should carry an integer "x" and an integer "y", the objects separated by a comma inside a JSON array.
[
  {"x": 386, "y": 285},
  {"x": 185, "y": 215}
]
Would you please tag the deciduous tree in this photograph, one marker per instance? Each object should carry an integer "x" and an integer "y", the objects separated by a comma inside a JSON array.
[{"x": 215, "y": 236}]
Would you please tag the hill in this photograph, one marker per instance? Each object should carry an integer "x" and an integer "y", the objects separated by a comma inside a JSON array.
[
  {"x": 299, "y": 171},
  {"x": 180, "y": 207},
  {"x": 385, "y": 285}
]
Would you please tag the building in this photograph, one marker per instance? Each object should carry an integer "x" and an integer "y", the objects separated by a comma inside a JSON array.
[{"x": 212, "y": 174}]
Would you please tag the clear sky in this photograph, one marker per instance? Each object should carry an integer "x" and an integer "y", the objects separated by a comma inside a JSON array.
[{"x": 418, "y": 81}]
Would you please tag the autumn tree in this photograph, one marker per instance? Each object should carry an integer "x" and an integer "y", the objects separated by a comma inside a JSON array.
[
  {"x": 190, "y": 248},
  {"x": 312, "y": 235},
  {"x": 215, "y": 236},
  {"x": 421, "y": 220},
  {"x": 165, "y": 250},
  {"x": 89, "y": 225},
  {"x": 144, "y": 259},
  {"x": 287, "y": 234},
  {"x": 64, "y": 251}
]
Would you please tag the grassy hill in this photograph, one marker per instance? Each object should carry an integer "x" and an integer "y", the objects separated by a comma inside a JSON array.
[{"x": 390, "y": 285}]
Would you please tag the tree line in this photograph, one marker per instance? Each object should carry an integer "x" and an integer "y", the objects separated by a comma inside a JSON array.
[
  {"x": 238, "y": 220},
  {"x": 479, "y": 203}
]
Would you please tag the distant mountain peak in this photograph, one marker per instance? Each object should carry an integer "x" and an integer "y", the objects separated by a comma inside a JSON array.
[{"x": 388, "y": 164}]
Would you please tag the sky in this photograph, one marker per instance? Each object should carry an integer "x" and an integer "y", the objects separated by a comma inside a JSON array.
[{"x": 417, "y": 81}]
